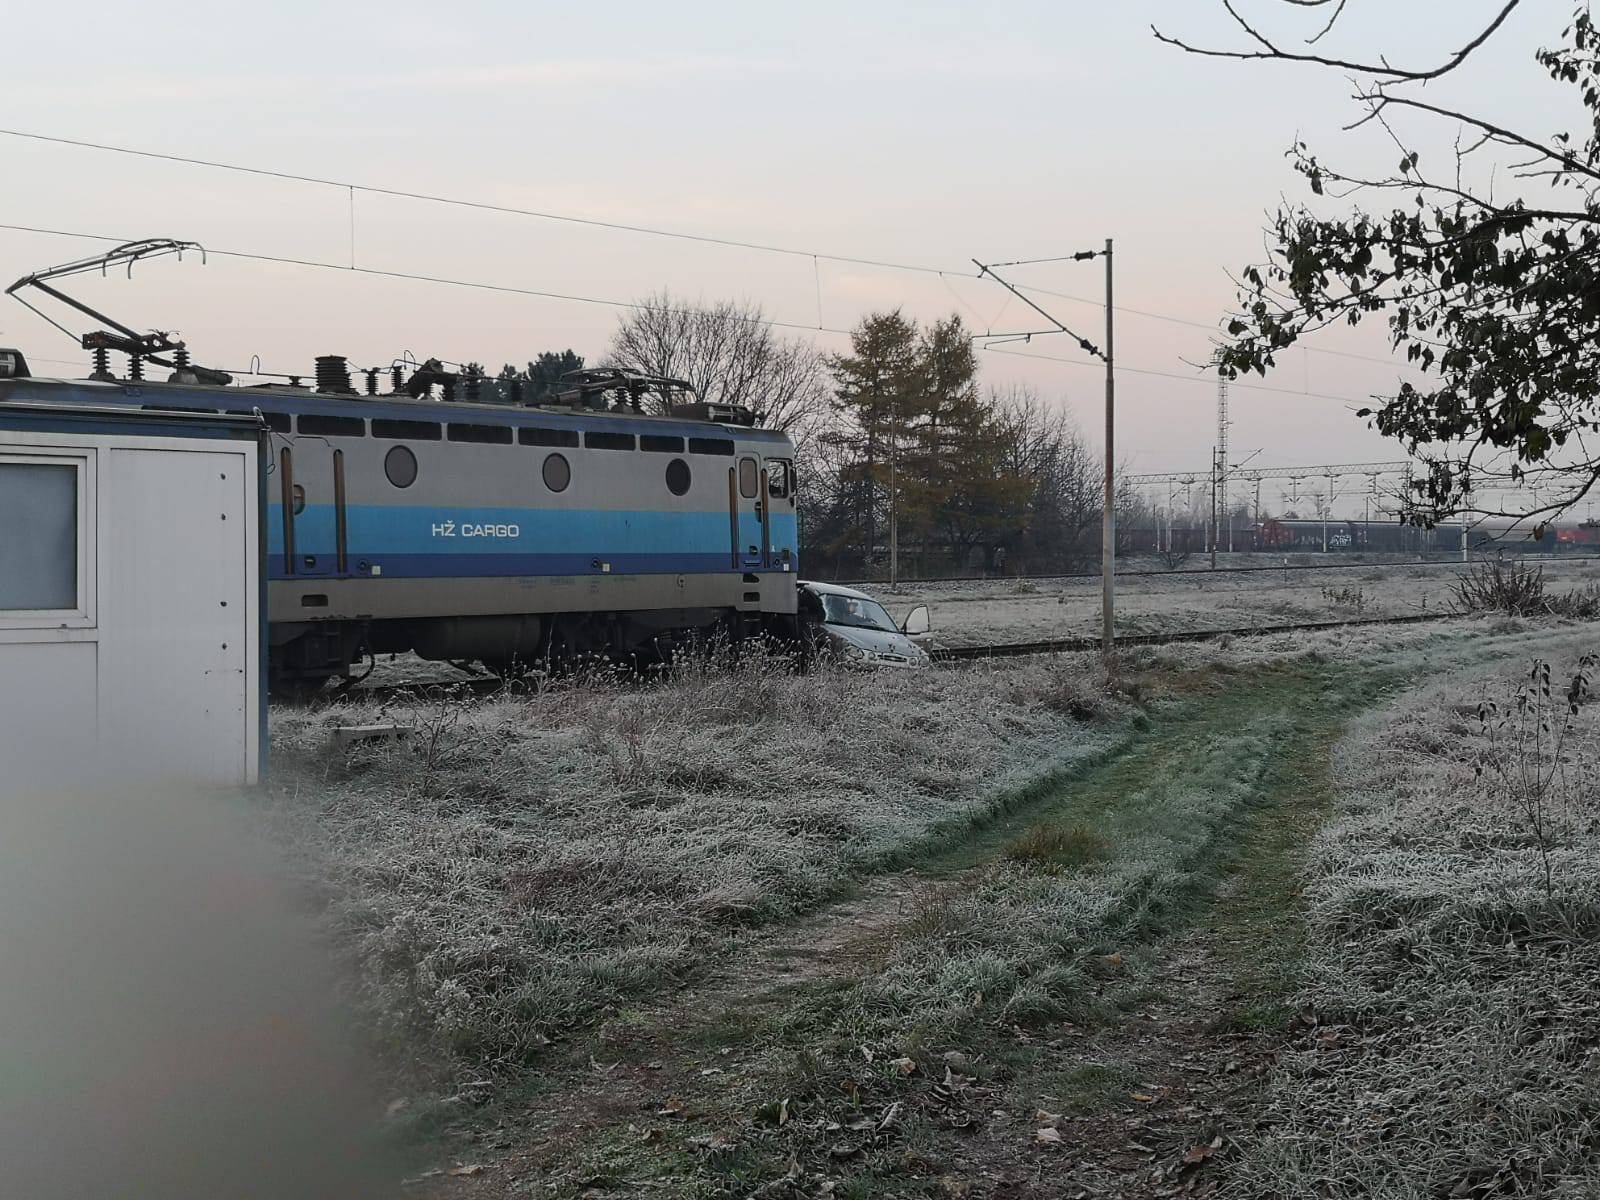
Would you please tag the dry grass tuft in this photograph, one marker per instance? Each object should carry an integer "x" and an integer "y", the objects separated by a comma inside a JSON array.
[{"x": 1058, "y": 846}]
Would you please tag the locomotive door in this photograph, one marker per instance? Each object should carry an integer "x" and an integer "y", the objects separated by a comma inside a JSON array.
[
  {"x": 778, "y": 514},
  {"x": 311, "y": 479},
  {"x": 746, "y": 512}
]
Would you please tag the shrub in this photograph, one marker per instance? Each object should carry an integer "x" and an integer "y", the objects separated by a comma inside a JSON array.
[{"x": 1496, "y": 586}]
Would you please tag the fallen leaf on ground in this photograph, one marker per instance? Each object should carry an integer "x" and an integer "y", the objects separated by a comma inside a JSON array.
[
  {"x": 1053, "y": 1120},
  {"x": 906, "y": 1066},
  {"x": 472, "y": 1169},
  {"x": 1048, "y": 1136}
]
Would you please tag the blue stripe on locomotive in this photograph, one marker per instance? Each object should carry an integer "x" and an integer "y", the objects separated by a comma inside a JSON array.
[{"x": 423, "y": 541}]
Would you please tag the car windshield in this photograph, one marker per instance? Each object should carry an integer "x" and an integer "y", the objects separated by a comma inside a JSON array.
[{"x": 851, "y": 610}]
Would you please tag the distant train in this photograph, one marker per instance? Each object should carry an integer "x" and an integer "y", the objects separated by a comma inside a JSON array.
[
  {"x": 491, "y": 532},
  {"x": 1290, "y": 535}
]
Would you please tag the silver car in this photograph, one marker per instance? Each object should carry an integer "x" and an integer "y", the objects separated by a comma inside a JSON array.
[{"x": 859, "y": 631}]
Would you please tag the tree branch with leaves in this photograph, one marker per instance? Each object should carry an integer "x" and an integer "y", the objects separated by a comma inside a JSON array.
[{"x": 1493, "y": 298}]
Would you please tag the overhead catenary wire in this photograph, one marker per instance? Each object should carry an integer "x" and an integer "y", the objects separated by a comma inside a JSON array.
[
  {"x": 632, "y": 305},
  {"x": 1206, "y": 378},
  {"x": 351, "y": 188}
]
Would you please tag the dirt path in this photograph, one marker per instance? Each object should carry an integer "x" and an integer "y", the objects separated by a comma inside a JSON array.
[
  {"x": 669, "y": 1059},
  {"x": 747, "y": 1083}
]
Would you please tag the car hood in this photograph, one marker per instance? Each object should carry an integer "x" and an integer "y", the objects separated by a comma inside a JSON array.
[{"x": 878, "y": 641}]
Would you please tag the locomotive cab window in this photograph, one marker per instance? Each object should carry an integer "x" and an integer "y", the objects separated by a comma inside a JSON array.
[
  {"x": 780, "y": 478},
  {"x": 747, "y": 478}
]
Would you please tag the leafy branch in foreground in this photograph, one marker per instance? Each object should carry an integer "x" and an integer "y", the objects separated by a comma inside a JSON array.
[{"x": 1494, "y": 298}]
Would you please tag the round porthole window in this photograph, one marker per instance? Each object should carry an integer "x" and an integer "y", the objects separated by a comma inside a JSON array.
[
  {"x": 677, "y": 477},
  {"x": 400, "y": 465},
  {"x": 557, "y": 473}
]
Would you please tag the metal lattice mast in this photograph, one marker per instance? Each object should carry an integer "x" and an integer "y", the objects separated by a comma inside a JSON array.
[{"x": 1224, "y": 464}]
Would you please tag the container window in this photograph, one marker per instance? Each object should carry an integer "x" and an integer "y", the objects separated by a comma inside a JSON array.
[
  {"x": 657, "y": 444},
  {"x": 489, "y": 435},
  {"x": 711, "y": 446},
  {"x": 557, "y": 472},
  {"x": 322, "y": 425},
  {"x": 410, "y": 431},
  {"x": 678, "y": 477},
  {"x": 38, "y": 536},
  {"x": 400, "y": 465},
  {"x": 747, "y": 478},
  {"x": 530, "y": 435},
  {"x": 608, "y": 441}
]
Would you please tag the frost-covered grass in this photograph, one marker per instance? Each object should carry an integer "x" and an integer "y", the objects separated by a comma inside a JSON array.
[
  {"x": 1454, "y": 1041},
  {"x": 976, "y": 612},
  {"x": 525, "y": 860}
]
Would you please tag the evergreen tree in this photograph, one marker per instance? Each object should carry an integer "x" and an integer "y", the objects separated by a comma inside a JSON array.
[{"x": 877, "y": 388}]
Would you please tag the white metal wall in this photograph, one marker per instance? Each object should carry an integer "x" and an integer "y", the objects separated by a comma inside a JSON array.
[{"x": 158, "y": 666}]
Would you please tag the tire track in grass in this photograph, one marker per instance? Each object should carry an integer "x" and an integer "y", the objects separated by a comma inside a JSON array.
[{"x": 786, "y": 1077}]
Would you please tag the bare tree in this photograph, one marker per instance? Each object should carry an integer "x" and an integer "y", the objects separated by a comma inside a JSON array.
[{"x": 730, "y": 354}]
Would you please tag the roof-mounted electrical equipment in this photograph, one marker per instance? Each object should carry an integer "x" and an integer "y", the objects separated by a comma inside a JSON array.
[{"x": 155, "y": 347}]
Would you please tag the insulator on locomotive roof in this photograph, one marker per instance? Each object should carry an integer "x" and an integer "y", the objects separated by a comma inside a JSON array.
[
  {"x": 333, "y": 375},
  {"x": 102, "y": 364},
  {"x": 135, "y": 368},
  {"x": 397, "y": 379},
  {"x": 371, "y": 374}
]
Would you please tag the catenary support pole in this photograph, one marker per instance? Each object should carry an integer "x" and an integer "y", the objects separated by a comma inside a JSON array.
[{"x": 1108, "y": 551}]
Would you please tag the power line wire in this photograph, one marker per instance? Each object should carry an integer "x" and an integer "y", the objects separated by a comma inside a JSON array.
[
  {"x": 351, "y": 188},
  {"x": 1208, "y": 379},
  {"x": 632, "y": 305},
  {"x": 510, "y": 289},
  {"x": 480, "y": 205}
]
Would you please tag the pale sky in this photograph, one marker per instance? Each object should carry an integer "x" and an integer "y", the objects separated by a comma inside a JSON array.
[{"x": 924, "y": 132}]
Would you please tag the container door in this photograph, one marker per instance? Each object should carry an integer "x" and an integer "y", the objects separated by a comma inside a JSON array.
[{"x": 177, "y": 611}]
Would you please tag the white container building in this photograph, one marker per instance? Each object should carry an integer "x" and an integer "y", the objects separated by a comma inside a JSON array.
[{"x": 132, "y": 609}]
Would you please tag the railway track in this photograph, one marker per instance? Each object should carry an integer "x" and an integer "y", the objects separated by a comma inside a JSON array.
[
  {"x": 1181, "y": 572},
  {"x": 483, "y": 685},
  {"x": 1069, "y": 645}
]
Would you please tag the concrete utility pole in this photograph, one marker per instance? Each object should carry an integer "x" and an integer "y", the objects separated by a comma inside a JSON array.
[{"x": 1108, "y": 554}]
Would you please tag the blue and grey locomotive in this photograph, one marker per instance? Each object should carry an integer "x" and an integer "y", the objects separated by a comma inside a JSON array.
[{"x": 500, "y": 533}]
